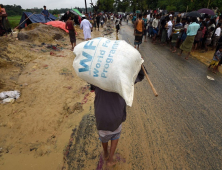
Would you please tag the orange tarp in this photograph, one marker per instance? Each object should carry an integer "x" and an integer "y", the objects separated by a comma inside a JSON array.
[{"x": 58, "y": 24}]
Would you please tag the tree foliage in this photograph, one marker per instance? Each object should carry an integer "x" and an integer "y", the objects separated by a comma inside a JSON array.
[
  {"x": 105, "y": 5},
  {"x": 13, "y": 10},
  {"x": 170, "y": 5}
]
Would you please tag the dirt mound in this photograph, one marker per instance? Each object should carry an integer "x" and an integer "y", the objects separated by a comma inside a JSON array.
[
  {"x": 31, "y": 26},
  {"x": 40, "y": 33}
]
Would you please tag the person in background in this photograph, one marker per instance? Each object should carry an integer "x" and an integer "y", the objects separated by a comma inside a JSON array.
[
  {"x": 5, "y": 25},
  {"x": 134, "y": 19},
  {"x": 176, "y": 31},
  {"x": 87, "y": 27},
  {"x": 72, "y": 32},
  {"x": 45, "y": 12},
  {"x": 198, "y": 38},
  {"x": 164, "y": 29},
  {"x": 98, "y": 21},
  {"x": 94, "y": 21},
  {"x": 216, "y": 36},
  {"x": 204, "y": 29},
  {"x": 169, "y": 28},
  {"x": 216, "y": 60},
  {"x": 145, "y": 25},
  {"x": 102, "y": 21},
  {"x": 155, "y": 27},
  {"x": 138, "y": 31},
  {"x": 127, "y": 19},
  {"x": 150, "y": 28},
  {"x": 191, "y": 33},
  {"x": 209, "y": 38},
  {"x": 117, "y": 23},
  {"x": 201, "y": 21},
  {"x": 211, "y": 24}
]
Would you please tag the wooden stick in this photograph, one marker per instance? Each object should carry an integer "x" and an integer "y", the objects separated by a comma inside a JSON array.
[
  {"x": 151, "y": 84},
  {"x": 24, "y": 21},
  {"x": 148, "y": 79}
]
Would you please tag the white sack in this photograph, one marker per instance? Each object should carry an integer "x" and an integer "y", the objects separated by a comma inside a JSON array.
[{"x": 111, "y": 65}]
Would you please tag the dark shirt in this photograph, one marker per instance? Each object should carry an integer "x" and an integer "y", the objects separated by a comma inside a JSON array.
[
  {"x": 45, "y": 12},
  {"x": 110, "y": 107},
  {"x": 98, "y": 19}
]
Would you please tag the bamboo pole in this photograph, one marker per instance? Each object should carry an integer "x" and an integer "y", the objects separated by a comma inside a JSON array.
[
  {"x": 148, "y": 79},
  {"x": 24, "y": 21}
]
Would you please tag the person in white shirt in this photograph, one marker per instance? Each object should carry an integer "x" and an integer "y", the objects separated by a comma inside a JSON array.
[
  {"x": 169, "y": 28},
  {"x": 127, "y": 18},
  {"x": 148, "y": 17},
  {"x": 217, "y": 35}
]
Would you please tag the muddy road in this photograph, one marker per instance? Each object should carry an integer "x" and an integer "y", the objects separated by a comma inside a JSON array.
[{"x": 180, "y": 129}]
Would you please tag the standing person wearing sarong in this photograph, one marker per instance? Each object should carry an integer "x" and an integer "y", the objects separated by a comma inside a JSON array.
[
  {"x": 72, "y": 32},
  {"x": 191, "y": 33},
  {"x": 176, "y": 33},
  {"x": 155, "y": 25},
  {"x": 164, "y": 29},
  {"x": 86, "y": 26},
  {"x": 145, "y": 25},
  {"x": 138, "y": 31},
  {"x": 169, "y": 29},
  {"x": 6, "y": 28}
]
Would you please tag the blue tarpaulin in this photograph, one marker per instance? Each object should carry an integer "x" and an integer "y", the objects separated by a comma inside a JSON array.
[{"x": 35, "y": 18}]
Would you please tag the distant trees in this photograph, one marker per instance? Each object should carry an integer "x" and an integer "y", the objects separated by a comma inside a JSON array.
[
  {"x": 105, "y": 5},
  {"x": 13, "y": 10},
  {"x": 170, "y": 5}
]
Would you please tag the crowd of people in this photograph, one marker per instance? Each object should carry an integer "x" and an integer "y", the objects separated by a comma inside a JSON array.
[{"x": 180, "y": 32}]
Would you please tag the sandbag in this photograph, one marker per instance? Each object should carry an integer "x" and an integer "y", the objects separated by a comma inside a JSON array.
[{"x": 111, "y": 65}]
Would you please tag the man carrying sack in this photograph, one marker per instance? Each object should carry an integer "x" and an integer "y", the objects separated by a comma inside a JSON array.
[{"x": 110, "y": 113}]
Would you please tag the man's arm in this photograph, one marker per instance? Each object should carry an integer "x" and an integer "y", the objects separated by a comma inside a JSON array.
[{"x": 43, "y": 13}]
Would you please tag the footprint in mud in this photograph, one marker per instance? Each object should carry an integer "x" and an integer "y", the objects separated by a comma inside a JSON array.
[{"x": 102, "y": 164}]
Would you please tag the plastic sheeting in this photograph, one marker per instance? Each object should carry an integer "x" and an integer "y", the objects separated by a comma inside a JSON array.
[
  {"x": 35, "y": 18},
  {"x": 58, "y": 24}
]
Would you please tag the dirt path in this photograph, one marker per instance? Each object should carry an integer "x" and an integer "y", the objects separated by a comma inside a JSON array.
[{"x": 35, "y": 130}]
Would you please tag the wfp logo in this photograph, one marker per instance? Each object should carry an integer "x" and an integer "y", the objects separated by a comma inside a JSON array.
[
  {"x": 87, "y": 46},
  {"x": 83, "y": 62}
]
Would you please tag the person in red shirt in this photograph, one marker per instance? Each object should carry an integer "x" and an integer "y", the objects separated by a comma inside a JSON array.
[{"x": 72, "y": 32}]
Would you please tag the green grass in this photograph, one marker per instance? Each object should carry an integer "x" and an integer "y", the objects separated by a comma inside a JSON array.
[{"x": 14, "y": 20}]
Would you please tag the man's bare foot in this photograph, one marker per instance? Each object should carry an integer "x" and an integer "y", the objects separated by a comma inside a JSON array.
[
  {"x": 186, "y": 58},
  {"x": 178, "y": 54},
  {"x": 174, "y": 51},
  {"x": 112, "y": 163},
  {"x": 106, "y": 156}
]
